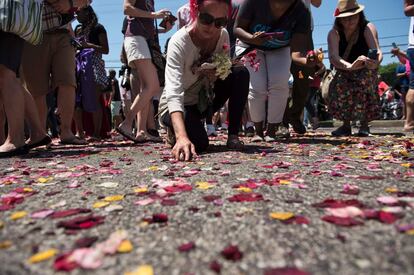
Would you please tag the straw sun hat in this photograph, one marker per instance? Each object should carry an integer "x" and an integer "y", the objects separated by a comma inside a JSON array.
[{"x": 347, "y": 8}]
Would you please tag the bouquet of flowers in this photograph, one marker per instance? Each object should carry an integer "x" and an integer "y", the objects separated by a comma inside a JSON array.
[{"x": 221, "y": 62}]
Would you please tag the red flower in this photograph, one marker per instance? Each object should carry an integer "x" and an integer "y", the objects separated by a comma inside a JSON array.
[
  {"x": 226, "y": 47},
  {"x": 337, "y": 12}
]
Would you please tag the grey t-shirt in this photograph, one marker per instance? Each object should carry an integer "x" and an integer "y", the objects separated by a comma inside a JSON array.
[
  {"x": 297, "y": 19},
  {"x": 142, "y": 26}
]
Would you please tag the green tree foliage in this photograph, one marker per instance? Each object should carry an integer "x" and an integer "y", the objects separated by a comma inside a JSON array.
[{"x": 388, "y": 73}]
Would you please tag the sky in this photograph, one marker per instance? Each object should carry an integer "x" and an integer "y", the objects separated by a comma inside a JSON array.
[{"x": 386, "y": 15}]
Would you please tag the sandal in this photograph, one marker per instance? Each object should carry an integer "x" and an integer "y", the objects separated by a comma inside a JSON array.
[
  {"x": 235, "y": 144},
  {"x": 73, "y": 141},
  {"x": 125, "y": 134},
  {"x": 43, "y": 142}
]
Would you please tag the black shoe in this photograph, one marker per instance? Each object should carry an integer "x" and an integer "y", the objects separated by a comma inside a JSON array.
[
  {"x": 23, "y": 150},
  {"x": 298, "y": 127},
  {"x": 153, "y": 132},
  {"x": 363, "y": 132},
  {"x": 342, "y": 132},
  {"x": 249, "y": 131},
  {"x": 43, "y": 142}
]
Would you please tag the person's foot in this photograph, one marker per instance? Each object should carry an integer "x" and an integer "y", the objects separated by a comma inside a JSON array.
[
  {"x": 315, "y": 123},
  {"x": 282, "y": 132},
  {"x": 73, "y": 140},
  {"x": 298, "y": 126},
  {"x": 234, "y": 143},
  {"x": 257, "y": 138},
  {"x": 211, "y": 130},
  {"x": 270, "y": 138},
  {"x": 38, "y": 142},
  {"x": 364, "y": 132},
  {"x": 343, "y": 131},
  {"x": 249, "y": 131},
  {"x": 123, "y": 131},
  {"x": 10, "y": 150}
]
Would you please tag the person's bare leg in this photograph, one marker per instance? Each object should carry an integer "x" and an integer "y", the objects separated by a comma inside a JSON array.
[
  {"x": 78, "y": 118},
  {"x": 13, "y": 102},
  {"x": 66, "y": 105},
  {"x": 2, "y": 122},
  {"x": 41, "y": 107},
  {"x": 149, "y": 87},
  {"x": 37, "y": 128},
  {"x": 150, "y": 117},
  {"x": 142, "y": 122},
  {"x": 135, "y": 91},
  {"x": 409, "y": 119},
  {"x": 98, "y": 115}
]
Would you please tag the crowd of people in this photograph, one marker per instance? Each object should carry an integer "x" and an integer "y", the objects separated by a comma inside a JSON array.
[{"x": 241, "y": 65}]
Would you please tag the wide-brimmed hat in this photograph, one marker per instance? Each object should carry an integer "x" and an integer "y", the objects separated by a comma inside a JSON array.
[{"x": 347, "y": 8}]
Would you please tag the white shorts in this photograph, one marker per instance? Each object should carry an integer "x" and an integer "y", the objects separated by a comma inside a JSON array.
[{"x": 136, "y": 48}]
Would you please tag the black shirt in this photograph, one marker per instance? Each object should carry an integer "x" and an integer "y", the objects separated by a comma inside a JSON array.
[
  {"x": 297, "y": 19},
  {"x": 117, "y": 94}
]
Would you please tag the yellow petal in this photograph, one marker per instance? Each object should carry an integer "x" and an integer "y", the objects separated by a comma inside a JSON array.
[
  {"x": 27, "y": 189},
  {"x": 43, "y": 256},
  {"x": 44, "y": 180},
  {"x": 391, "y": 190},
  {"x": 5, "y": 244},
  {"x": 282, "y": 216},
  {"x": 100, "y": 204},
  {"x": 203, "y": 185},
  {"x": 142, "y": 270},
  {"x": 153, "y": 168},
  {"x": 114, "y": 198},
  {"x": 407, "y": 165},
  {"x": 285, "y": 182},
  {"x": 141, "y": 190},
  {"x": 410, "y": 232},
  {"x": 18, "y": 215},
  {"x": 125, "y": 247},
  {"x": 244, "y": 189}
]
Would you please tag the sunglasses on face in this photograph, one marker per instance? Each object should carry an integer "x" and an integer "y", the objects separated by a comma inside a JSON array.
[{"x": 208, "y": 19}]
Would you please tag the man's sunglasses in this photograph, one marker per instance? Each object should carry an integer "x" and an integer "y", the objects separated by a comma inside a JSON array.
[{"x": 208, "y": 19}]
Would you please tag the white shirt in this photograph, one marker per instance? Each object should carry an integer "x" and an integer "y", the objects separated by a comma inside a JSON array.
[
  {"x": 184, "y": 16},
  {"x": 411, "y": 34},
  {"x": 182, "y": 54}
]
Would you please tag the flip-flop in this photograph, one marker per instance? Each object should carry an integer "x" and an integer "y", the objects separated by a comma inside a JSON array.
[
  {"x": 43, "y": 142},
  {"x": 125, "y": 134},
  {"x": 73, "y": 141},
  {"x": 23, "y": 150}
]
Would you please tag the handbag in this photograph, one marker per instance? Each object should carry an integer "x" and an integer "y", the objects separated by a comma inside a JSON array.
[
  {"x": 329, "y": 76},
  {"x": 23, "y": 18},
  {"x": 158, "y": 59},
  {"x": 99, "y": 71}
]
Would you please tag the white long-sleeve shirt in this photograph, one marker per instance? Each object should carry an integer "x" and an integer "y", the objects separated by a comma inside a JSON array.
[{"x": 182, "y": 54}]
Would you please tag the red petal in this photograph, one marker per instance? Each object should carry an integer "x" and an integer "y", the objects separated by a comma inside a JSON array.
[
  {"x": 232, "y": 253},
  {"x": 187, "y": 247},
  {"x": 342, "y": 221},
  {"x": 160, "y": 218},
  {"x": 285, "y": 271}
]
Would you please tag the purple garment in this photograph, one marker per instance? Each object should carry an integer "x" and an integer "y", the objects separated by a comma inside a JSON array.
[{"x": 85, "y": 92}]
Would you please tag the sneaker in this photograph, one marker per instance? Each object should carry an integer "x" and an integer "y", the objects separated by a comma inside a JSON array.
[
  {"x": 224, "y": 127},
  {"x": 298, "y": 127},
  {"x": 269, "y": 139},
  {"x": 257, "y": 138},
  {"x": 249, "y": 131},
  {"x": 364, "y": 132},
  {"x": 282, "y": 132},
  {"x": 211, "y": 130}
]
